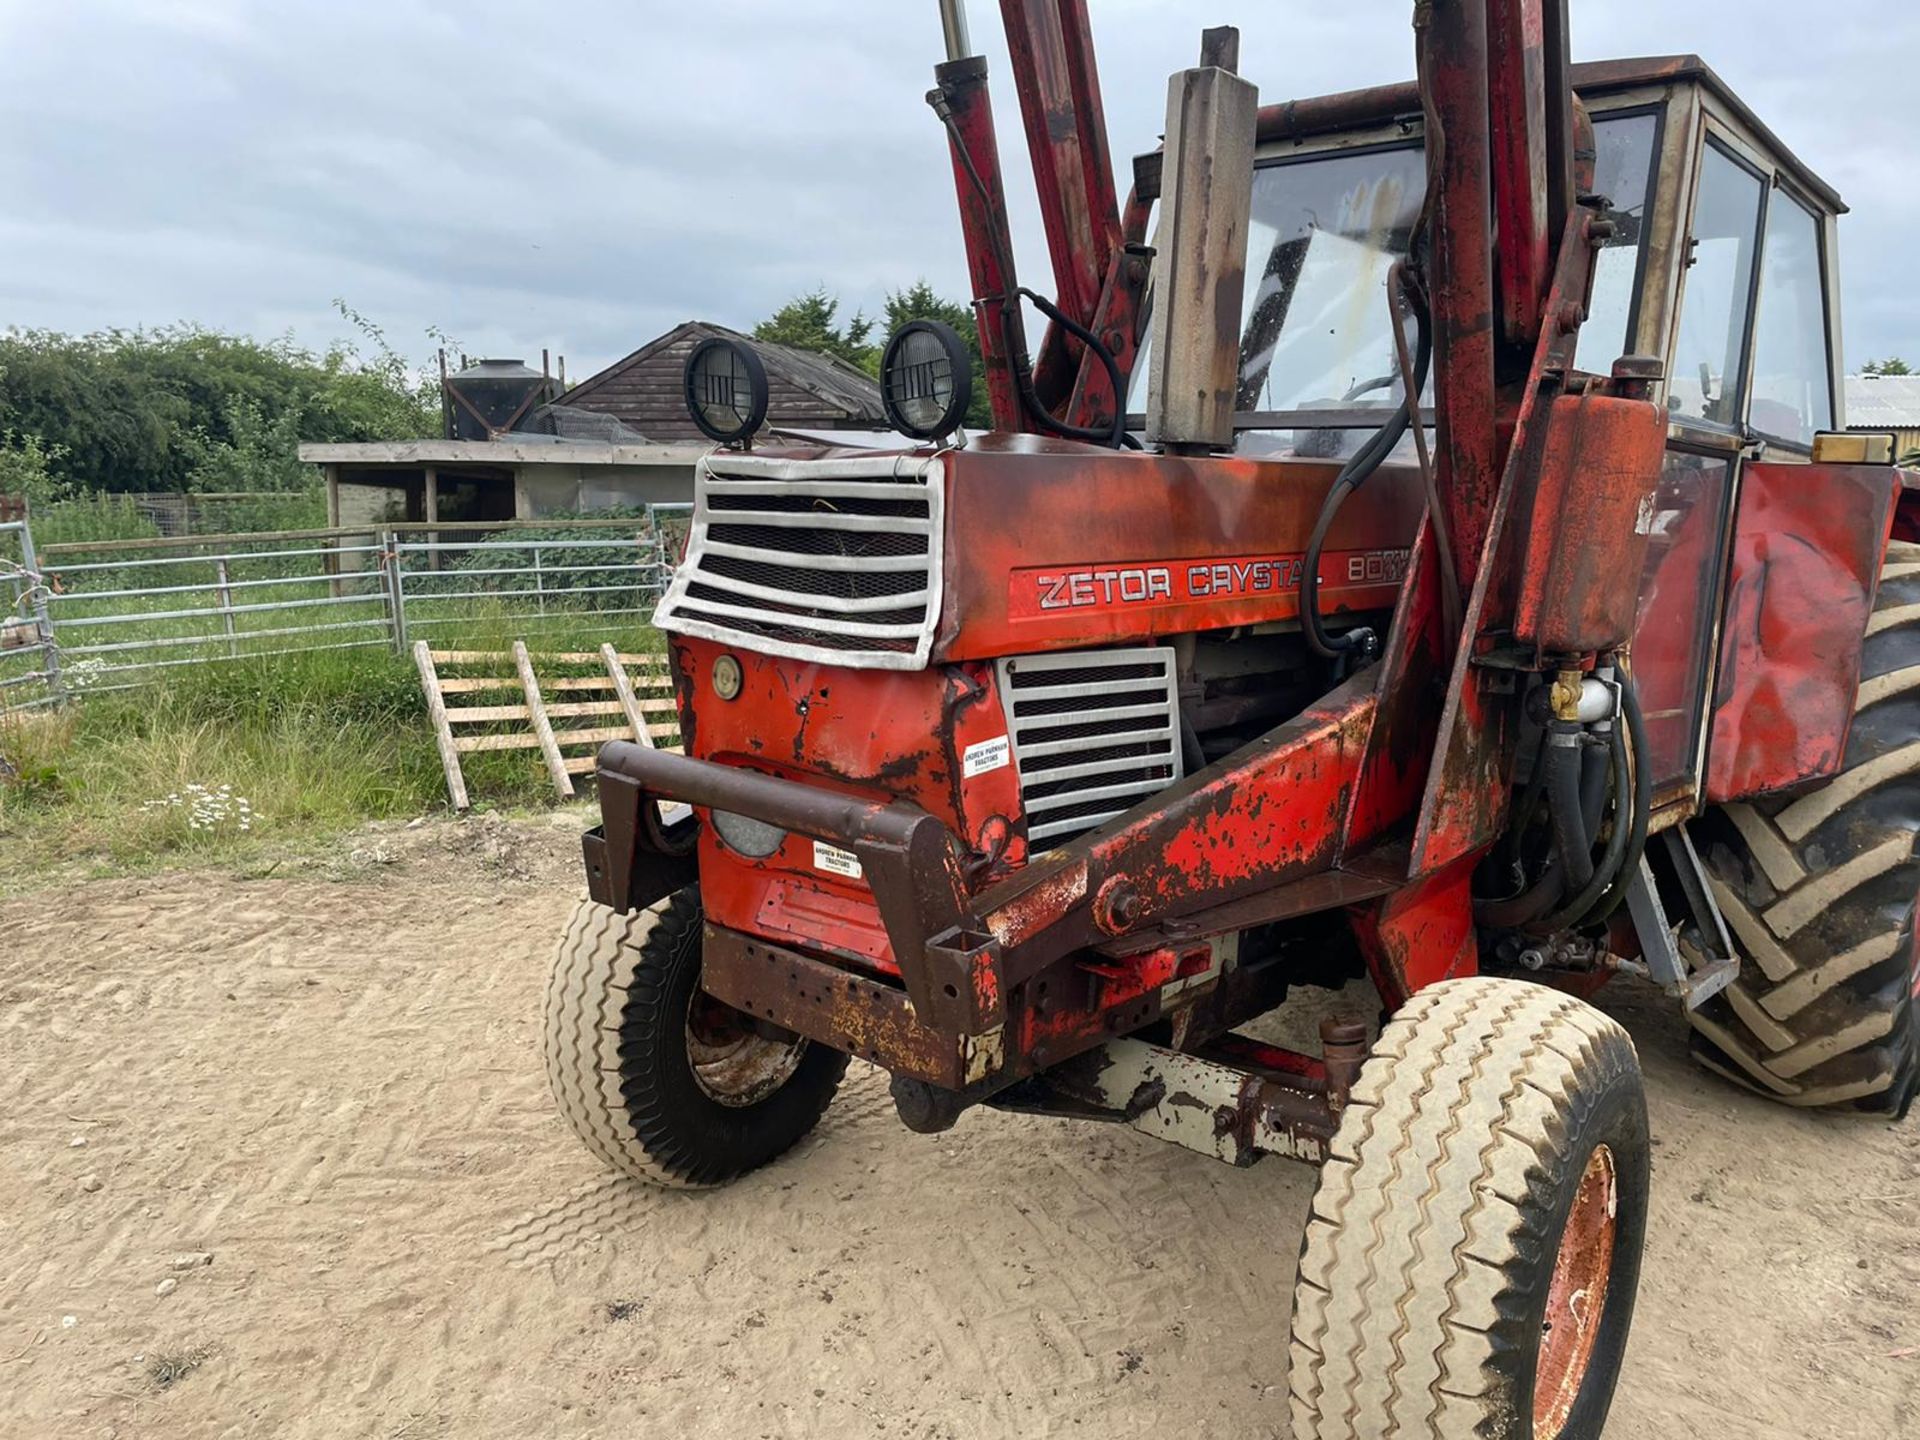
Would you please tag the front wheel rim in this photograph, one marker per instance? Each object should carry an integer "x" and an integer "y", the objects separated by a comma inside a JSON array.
[
  {"x": 1577, "y": 1296},
  {"x": 732, "y": 1063}
]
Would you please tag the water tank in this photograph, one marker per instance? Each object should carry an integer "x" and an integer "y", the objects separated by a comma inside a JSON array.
[{"x": 491, "y": 396}]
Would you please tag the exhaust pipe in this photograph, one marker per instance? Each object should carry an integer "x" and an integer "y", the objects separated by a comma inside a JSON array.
[{"x": 1200, "y": 266}]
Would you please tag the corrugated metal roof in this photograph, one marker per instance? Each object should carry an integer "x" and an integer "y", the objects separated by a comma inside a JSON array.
[{"x": 1883, "y": 402}]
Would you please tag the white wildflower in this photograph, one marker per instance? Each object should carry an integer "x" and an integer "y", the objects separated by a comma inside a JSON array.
[{"x": 208, "y": 809}]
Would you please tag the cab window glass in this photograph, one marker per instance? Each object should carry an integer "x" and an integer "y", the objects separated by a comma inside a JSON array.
[
  {"x": 1315, "y": 334},
  {"x": 1711, "y": 351},
  {"x": 1624, "y": 174},
  {"x": 1792, "y": 395}
]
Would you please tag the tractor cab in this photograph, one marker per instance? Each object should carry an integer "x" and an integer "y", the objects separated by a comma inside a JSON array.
[{"x": 1721, "y": 262}]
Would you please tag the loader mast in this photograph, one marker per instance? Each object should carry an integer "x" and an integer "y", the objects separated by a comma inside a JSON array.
[
  {"x": 1067, "y": 389},
  {"x": 1496, "y": 86}
]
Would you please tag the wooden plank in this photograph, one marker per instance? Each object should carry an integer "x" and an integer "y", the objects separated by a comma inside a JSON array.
[
  {"x": 443, "y": 733},
  {"x": 489, "y": 657},
  {"x": 624, "y": 688},
  {"x": 599, "y": 737},
  {"x": 583, "y": 765},
  {"x": 482, "y": 714},
  {"x": 482, "y": 744},
  {"x": 542, "y": 727},
  {"x": 476, "y": 744},
  {"x": 467, "y": 684}
]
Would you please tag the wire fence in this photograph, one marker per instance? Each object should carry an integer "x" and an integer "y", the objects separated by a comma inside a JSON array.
[{"x": 108, "y": 615}]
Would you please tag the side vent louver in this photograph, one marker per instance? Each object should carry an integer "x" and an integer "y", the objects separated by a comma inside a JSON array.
[{"x": 1094, "y": 733}]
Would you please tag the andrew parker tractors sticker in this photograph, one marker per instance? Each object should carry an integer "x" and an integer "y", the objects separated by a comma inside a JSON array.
[{"x": 1040, "y": 590}]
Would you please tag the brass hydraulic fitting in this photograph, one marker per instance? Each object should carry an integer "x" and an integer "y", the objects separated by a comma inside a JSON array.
[{"x": 1567, "y": 686}]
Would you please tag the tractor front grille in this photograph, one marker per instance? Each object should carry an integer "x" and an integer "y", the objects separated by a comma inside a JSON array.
[
  {"x": 826, "y": 560},
  {"x": 1094, "y": 733}
]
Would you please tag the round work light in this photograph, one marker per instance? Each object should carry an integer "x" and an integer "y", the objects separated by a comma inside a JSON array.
[
  {"x": 926, "y": 380},
  {"x": 726, "y": 390}
]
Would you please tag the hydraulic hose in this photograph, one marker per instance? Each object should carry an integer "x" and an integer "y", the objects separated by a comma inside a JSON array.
[
  {"x": 1534, "y": 901},
  {"x": 1642, "y": 803},
  {"x": 1566, "y": 808},
  {"x": 1581, "y": 906},
  {"x": 1634, "y": 786},
  {"x": 1115, "y": 435},
  {"x": 1365, "y": 461}
]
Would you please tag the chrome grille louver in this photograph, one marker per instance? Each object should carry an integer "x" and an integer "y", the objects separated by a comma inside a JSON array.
[
  {"x": 828, "y": 560},
  {"x": 1094, "y": 733}
]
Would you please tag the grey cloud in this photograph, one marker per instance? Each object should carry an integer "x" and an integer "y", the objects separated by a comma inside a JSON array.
[{"x": 585, "y": 175}]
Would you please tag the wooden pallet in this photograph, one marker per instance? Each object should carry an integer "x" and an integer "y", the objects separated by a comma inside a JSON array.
[{"x": 645, "y": 707}]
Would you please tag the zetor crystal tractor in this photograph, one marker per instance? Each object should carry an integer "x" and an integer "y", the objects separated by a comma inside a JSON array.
[{"x": 1422, "y": 545}]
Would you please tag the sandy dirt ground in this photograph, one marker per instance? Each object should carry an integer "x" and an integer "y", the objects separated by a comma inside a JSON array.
[{"x": 330, "y": 1084}]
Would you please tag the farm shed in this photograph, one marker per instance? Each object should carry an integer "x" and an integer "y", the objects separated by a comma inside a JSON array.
[
  {"x": 806, "y": 391},
  {"x": 619, "y": 439},
  {"x": 515, "y": 478},
  {"x": 1886, "y": 402}
]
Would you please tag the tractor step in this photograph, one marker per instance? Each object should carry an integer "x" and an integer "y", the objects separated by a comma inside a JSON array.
[{"x": 1694, "y": 960}]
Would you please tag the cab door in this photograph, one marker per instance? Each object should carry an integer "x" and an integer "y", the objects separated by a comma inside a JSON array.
[{"x": 1751, "y": 382}]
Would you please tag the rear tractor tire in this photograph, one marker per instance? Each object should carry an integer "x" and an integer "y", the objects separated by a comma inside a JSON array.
[
  {"x": 1469, "y": 1267},
  {"x": 657, "y": 1078},
  {"x": 1819, "y": 893}
]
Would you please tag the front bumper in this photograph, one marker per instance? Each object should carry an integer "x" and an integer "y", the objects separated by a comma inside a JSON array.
[{"x": 910, "y": 860}]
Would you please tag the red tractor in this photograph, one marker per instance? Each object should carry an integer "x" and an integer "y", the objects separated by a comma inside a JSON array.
[{"x": 1485, "y": 599}]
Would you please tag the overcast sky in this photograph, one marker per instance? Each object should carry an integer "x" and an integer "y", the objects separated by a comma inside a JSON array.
[{"x": 583, "y": 176}]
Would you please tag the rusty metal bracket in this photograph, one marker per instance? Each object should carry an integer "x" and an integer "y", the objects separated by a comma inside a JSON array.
[
  {"x": 910, "y": 860},
  {"x": 1224, "y": 1110}
]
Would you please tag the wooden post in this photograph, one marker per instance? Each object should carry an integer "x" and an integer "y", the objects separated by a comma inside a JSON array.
[
  {"x": 396, "y": 587},
  {"x": 335, "y": 586},
  {"x": 442, "y": 731},
  {"x": 432, "y": 507},
  {"x": 623, "y": 687},
  {"x": 226, "y": 602},
  {"x": 542, "y": 727}
]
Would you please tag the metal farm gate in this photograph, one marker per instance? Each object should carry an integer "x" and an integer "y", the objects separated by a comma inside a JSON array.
[{"x": 107, "y": 615}]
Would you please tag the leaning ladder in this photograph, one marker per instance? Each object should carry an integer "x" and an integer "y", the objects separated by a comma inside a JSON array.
[{"x": 646, "y": 708}]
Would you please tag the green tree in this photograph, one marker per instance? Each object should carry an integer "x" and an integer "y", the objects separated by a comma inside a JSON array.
[
  {"x": 26, "y": 468},
  {"x": 143, "y": 410},
  {"x": 1892, "y": 365},
  {"x": 919, "y": 302},
  {"x": 811, "y": 322}
]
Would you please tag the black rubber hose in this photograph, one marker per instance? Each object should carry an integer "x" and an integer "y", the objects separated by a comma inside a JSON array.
[
  {"x": 1529, "y": 905},
  {"x": 1534, "y": 900},
  {"x": 1367, "y": 459},
  {"x": 1581, "y": 907},
  {"x": 1116, "y": 435},
  {"x": 1571, "y": 839},
  {"x": 1642, "y": 803},
  {"x": 1596, "y": 769},
  {"x": 1522, "y": 815}
]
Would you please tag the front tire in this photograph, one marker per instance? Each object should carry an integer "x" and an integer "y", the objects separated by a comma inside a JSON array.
[
  {"x": 1469, "y": 1268},
  {"x": 658, "y": 1079}
]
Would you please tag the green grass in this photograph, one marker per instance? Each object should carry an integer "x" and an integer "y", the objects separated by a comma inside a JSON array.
[{"x": 316, "y": 744}]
